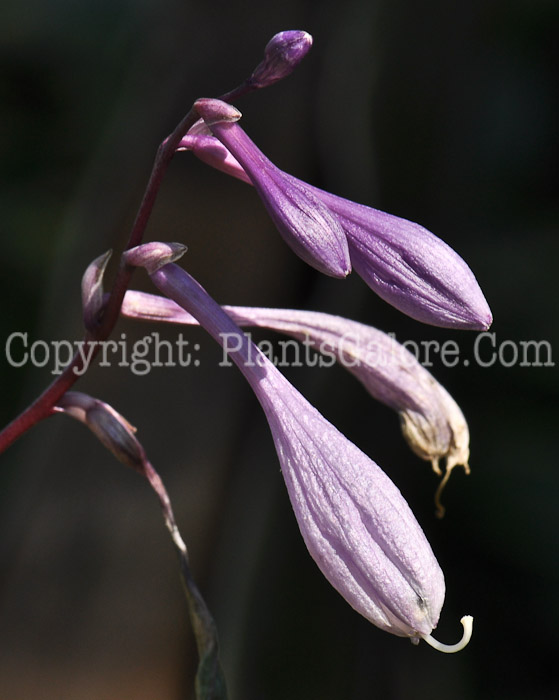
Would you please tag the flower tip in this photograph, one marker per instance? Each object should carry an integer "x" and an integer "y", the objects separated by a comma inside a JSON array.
[
  {"x": 488, "y": 320},
  {"x": 215, "y": 111},
  {"x": 467, "y": 623},
  {"x": 478, "y": 315},
  {"x": 344, "y": 269}
]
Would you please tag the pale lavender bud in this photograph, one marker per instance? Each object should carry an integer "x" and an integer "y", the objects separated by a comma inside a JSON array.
[
  {"x": 431, "y": 420},
  {"x": 153, "y": 255},
  {"x": 306, "y": 225},
  {"x": 282, "y": 55},
  {"x": 112, "y": 429},
  {"x": 357, "y": 526},
  {"x": 92, "y": 289},
  {"x": 410, "y": 268},
  {"x": 404, "y": 263}
]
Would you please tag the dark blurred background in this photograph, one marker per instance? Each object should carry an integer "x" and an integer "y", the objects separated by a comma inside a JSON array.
[{"x": 442, "y": 112}]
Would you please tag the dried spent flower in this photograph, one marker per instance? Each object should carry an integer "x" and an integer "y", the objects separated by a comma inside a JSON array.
[{"x": 357, "y": 526}]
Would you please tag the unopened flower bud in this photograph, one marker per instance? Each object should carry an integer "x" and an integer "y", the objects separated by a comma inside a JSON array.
[{"x": 282, "y": 55}]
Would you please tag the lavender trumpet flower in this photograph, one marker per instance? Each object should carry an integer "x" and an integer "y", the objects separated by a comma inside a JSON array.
[
  {"x": 401, "y": 261},
  {"x": 431, "y": 421},
  {"x": 357, "y": 526}
]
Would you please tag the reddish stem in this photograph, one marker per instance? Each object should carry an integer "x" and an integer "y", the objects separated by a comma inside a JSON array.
[{"x": 42, "y": 406}]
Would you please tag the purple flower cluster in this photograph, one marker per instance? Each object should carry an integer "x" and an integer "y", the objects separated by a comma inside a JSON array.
[{"x": 355, "y": 522}]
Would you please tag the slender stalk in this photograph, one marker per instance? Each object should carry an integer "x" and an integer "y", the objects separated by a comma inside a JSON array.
[
  {"x": 210, "y": 680},
  {"x": 118, "y": 436},
  {"x": 163, "y": 157}
]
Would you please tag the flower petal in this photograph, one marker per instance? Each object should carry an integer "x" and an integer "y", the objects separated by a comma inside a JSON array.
[{"x": 306, "y": 224}]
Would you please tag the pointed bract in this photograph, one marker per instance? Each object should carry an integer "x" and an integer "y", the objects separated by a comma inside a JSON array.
[
  {"x": 92, "y": 290},
  {"x": 153, "y": 255}
]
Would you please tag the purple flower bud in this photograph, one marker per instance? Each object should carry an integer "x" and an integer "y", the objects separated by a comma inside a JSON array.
[
  {"x": 92, "y": 289},
  {"x": 406, "y": 265},
  {"x": 410, "y": 268},
  {"x": 308, "y": 226},
  {"x": 282, "y": 55},
  {"x": 431, "y": 420},
  {"x": 357, "y": 526}
]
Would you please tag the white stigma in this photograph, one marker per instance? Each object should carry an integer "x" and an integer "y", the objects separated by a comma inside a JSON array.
[{"x": 467, "y": 623}]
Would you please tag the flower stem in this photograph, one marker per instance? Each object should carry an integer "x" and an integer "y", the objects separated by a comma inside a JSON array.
[
  {"x": 42, "y": 406},
  {"x": 210, "y": 680}
]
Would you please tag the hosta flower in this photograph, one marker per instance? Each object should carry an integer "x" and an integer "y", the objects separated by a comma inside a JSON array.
[
  {"x": 356, "y": 524},
  {"x": 431, "y": 421},
  {"x": 401, "y": 261}
]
